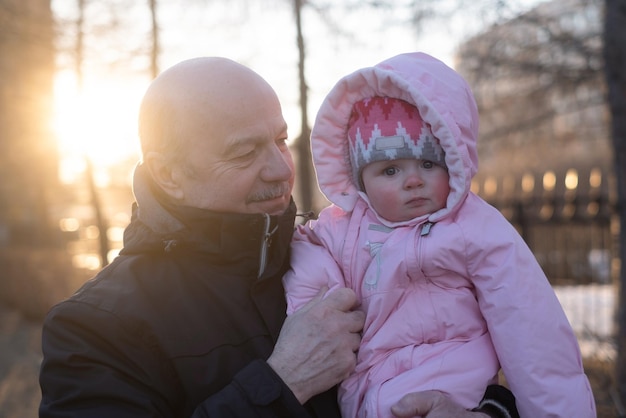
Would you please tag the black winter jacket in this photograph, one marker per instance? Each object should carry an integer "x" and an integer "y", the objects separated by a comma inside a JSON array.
[{"x": 178, "y": 325}]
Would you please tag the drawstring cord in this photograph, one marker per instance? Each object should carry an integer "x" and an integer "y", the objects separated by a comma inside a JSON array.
[{"x": 307, "y": 216}]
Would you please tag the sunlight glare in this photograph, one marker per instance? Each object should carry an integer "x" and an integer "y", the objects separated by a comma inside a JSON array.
[{"x": 97, "y": 123}]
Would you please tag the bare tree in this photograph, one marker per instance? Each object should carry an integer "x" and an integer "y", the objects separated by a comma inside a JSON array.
[
  {"x": 615, "y": 72},
  {"x": 28, "y": 159},
  {"x": 83, "y": 29},
  {"x": 539, "y": 77},
  {"x": 101, "y": 222},
  {"x": 306, "y": 180},
  {"x": 110, "y": 35},
  {"x": 155, "y": 46}
]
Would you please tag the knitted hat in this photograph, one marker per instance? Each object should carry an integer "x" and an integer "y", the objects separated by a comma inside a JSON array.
[{"x": 384, "y": 128}]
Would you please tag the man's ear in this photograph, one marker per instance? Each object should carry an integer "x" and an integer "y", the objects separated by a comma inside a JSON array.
[{"x": 163, "y": 174}]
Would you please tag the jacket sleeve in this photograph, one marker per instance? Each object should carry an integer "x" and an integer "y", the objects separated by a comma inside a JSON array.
[
  {"x": 312, "y": 264},
  {"x": 93, "y": 368},
  {"x": 256, "y": 391},
  {"x": 534, "y": 341}
]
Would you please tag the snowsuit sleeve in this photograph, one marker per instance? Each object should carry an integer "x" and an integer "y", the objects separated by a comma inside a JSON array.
[
  {"x": 534, "y": 341},
  {"x": 131, "y": 381},
  {"x": 313, "y": 264}
]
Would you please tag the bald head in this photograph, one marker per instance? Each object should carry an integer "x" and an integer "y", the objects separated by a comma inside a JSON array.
[
  {"x": 190, "y": 98},
  {"x": 213, "y": 137}
]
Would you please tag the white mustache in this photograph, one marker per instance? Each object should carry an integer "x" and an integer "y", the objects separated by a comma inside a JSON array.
[{"x": 278, "y": 190}]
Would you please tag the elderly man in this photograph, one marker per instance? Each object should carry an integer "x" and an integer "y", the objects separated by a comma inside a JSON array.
[{"x": 189, "y": 320}]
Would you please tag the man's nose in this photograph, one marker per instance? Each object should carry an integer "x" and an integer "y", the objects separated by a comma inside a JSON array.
[{"x": 278, "y": 166}]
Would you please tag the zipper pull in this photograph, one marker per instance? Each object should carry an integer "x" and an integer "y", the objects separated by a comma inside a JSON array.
[{"x": 426, "y": 228}]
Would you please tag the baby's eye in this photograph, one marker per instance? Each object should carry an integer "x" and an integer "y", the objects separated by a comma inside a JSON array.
[
  {"x": 427, "y": 164},
  {"x": 390, "y": 171}
]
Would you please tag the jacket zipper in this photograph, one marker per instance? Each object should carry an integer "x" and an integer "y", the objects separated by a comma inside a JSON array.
[
  {"x": 265, "y": 243},
  {"x": 423, "y": 233}
]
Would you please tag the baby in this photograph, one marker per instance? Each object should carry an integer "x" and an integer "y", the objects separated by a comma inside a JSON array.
[{"x": 450, "y": 290}]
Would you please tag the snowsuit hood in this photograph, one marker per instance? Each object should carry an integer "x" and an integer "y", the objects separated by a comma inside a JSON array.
[{"x": 444, "y": 101}]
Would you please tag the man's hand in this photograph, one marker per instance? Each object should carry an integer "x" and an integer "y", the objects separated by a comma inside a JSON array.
[
  {"x": 431, "y": 404},
  {"x": 317, "y": 345}
]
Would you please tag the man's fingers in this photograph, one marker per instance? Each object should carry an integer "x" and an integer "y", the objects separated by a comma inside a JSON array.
[
  {"x": 335, "y": 306},
  {"x": 355, "y": 341},
  {"x": 320, "y": 295},
  {"x": 356, "y": 322},
  {"x": 342, "y": 299}
]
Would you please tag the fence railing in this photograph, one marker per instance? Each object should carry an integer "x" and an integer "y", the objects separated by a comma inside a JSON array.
[{"x": 566, "y": 218}]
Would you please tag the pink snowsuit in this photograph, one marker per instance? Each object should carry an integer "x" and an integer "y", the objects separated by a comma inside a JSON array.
[{"x": 448, "y": 297}]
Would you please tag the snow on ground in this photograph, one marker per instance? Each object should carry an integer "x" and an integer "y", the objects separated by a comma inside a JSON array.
[{"x": 591, "y": 312}]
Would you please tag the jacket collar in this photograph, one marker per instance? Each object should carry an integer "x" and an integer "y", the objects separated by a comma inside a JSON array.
[{"x": 157, "y": 226}]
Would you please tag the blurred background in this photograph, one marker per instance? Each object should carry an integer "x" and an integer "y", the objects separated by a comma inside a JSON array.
[{"x": 549, "y": 78}]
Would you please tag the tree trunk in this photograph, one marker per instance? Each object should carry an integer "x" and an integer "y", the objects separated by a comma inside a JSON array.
[
  {"x": 101, "y": 222},
  {"x": 615, "y": 70},
  {"x": 303, "y": 144},
  {"x": 154, "y": 51},
  {"x": 79, "y": 46},
  {"x": 28, "y": 154}
]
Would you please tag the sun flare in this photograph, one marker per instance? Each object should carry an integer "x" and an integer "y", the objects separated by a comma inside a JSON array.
[{"x": 95, "y": 123}]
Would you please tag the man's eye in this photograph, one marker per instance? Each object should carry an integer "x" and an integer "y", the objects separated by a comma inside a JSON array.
[
  {"x": 282, "y": 144},
  {"x": 244, "y": 155}
]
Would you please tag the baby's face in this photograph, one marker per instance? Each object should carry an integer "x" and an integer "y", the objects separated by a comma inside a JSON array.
[{"x": 400, "y": 190}]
